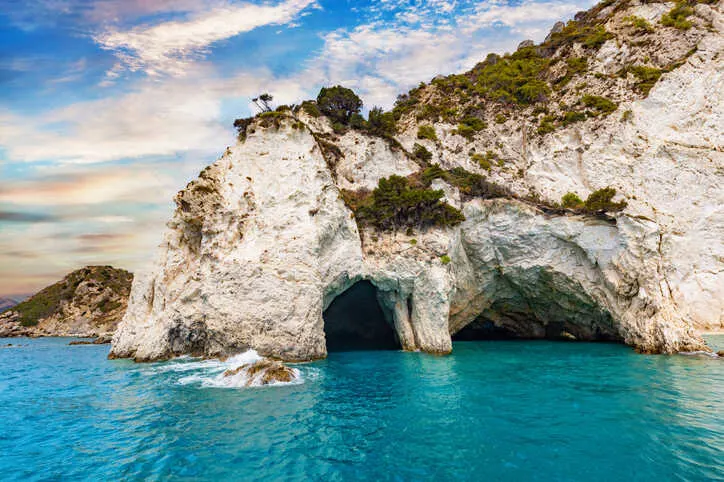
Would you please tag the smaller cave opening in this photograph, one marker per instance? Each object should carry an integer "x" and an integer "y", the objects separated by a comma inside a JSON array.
[
  {"x": 481, "y": 330},
  {"x": 355, "y": 321},
  {"x": 518, "y": 326}
]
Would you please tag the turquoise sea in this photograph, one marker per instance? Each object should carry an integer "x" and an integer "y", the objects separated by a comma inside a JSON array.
[{"x": 491, "y": 411}]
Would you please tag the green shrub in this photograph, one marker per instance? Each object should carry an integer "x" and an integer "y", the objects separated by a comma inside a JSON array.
[
  {"x": 431, "y": 173},
  {"x": 573, "y": 32},
  {"x": 474, "y": 123},
  {"x": 272, "y": 119},
  {"x": 356, "y": 121},
  {"x": 430, "y": 112},
  {"x": 241, "y": 126},
  {"x": 572, "y": 201},
  {"x": 338, "y": 103},
  {"x": 639, "y": 23},
  {"x": 481, "y": 161},
  {"x": 546, "y": 125},
  {"x": 406, "y": 103},
  {"x": 310, "y": 107},
  {"x": 485, "y": 161},
  {"x": 470, "y": 126},
  {"x": 574, "y": 66},
  {"x": 413, "y": 242},
  {"x": 381, "y": 123},
  {"x": 577, "y": 65},
  {"x": 596, "y": 36},
  {"x": 627, "y": 115},
  {"x": 646, "y": 77},
  {"x": 532, "y": 91},
  {"x": 513, "y": 79},
  {"x": 600, "y": 104},
  {"x": 602, "y": 200},
  {"x": 469, "y": 183},
  {"x": 421, "y": 153},
  {"x": 395, "y": 204},
  {"x": 599, "y": 201},
  {"x": 426, "y": 132},
  {"x": 571, "y": 117},
  {"x": 445, "y": 259},
  {"x": 677, "y": 16},
  {"x": 501, "y": 119}
]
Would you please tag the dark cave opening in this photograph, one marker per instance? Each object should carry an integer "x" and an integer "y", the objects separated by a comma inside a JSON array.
[
  {"x": 355, "y": 321},
  {"x": 519, "y": 326},
  {"x": 481, "y": 330}
]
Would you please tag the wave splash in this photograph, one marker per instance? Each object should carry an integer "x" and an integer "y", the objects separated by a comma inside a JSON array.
[{"x": 221, "y": 374}]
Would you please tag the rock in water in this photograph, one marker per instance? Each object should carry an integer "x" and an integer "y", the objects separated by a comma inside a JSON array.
[
  {"x": 263, "y": 372},
  {"x": 265, "y": 239},
  {"x": 104, "y": 339}
]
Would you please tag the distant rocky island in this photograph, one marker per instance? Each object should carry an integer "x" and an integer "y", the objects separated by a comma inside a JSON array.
[
  {"x": 89, "y": 302},
  {"x": 8, "y": 302}
]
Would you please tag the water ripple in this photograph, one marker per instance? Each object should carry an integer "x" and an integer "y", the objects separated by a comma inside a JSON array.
[{"x": 491, "y": 411}]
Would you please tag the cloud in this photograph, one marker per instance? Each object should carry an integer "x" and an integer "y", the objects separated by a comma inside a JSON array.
[
  {"x": 169, "y": 47},
  {"x": 20, "y": 217},
  {"x": 32, "y": 15},
  {"x": 136, "y": 183},
  {"x": 100, "y": 214},
  {"x": 152, "y": 119}
]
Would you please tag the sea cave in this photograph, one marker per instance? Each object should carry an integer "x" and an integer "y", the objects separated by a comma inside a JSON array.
[{"x": 356, "y": 321}]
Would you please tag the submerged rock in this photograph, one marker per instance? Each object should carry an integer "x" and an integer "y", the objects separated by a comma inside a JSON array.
[
  {"x": 263, "y": 372},
  {"x": 103, "y": 339}
]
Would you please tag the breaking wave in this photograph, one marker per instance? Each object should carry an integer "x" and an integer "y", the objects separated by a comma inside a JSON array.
[{"x": 210, "y": 373}]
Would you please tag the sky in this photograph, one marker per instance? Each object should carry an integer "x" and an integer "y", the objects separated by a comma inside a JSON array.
[{"x": 109, "y": 107}]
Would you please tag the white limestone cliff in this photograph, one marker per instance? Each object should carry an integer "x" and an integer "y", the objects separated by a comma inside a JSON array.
[{"x": 262, "y": 242}]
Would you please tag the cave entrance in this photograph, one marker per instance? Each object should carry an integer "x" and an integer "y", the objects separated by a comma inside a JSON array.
[
  {"x": 482, "y": 330},
  {"x": 356, "y": 321}
]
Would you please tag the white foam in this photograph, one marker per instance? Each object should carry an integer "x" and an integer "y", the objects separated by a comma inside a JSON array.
[
  {"x": 241, "y": 380},
  {"x": 699, "y": 353},
  {"x": 210, "y": 373}
]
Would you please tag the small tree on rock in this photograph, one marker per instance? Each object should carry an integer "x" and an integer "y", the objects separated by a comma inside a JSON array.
[
  {"x": 262, "y": 102},
  {"x": 339, "y": 103}
]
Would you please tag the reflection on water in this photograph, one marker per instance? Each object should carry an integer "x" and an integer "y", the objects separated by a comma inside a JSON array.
[{"x": 491, "y": 411}]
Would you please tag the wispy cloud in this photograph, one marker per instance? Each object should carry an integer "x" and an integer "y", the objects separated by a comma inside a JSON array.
[
  {"x": 169, "y": 47},
  {"x": 24, "y": 217}
]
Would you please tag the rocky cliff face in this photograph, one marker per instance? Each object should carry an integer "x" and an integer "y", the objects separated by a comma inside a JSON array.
[
  {"x": 263, "y": 242},
  {"x": 89, "y": 302}
]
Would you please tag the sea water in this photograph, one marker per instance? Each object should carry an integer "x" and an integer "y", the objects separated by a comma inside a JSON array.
[{"x": 490, "y": 411}]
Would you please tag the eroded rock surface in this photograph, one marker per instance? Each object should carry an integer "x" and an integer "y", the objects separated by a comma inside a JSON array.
[{"x": 262, "y": 242}]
